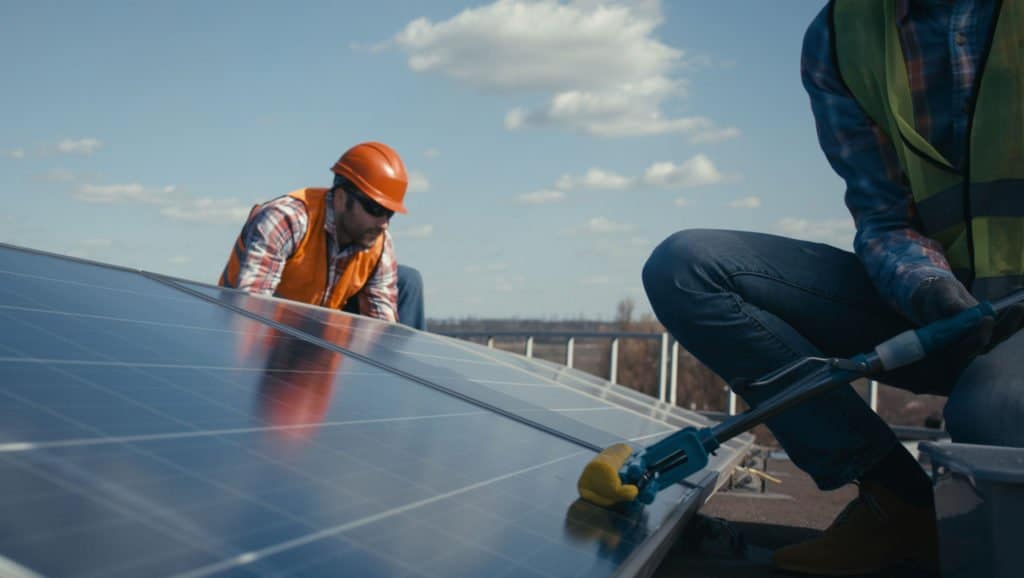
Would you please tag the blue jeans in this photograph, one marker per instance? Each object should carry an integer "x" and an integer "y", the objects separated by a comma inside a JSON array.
[
  {"x": 410, "y": 299},
  {"x": 748, "y": 303}
]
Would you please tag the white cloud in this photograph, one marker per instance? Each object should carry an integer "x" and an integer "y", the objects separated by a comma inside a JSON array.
[
  {"x": 174, "y": 205},
  {"x": 89, "y": 248},
  {"x": 697, "y": 171},
  {"x": 131, "y": 192},
  {"x": 746, "y": 203},
  {"x": 594, "y": 179},
  {"x": 715, "y": 135},
  {"x": 16, "y": 154},
  {"x": 522, "y": 45},
  {"x": 418, "y": 182},
  {"x": 420, "y": 232},
  {"x": 541, "y": 197},
  {"x": 605, "y": 226},
  {"x": 682, "y": 202},
  {"x": 599, "y": 63},
  {"x": 489, "y": 268},
  {"x": 58, "y": 175},
  {"x": 694, "y": 172},
  {"x": 837, "y": 232},
  {"x": 627, "y": 110},
  {"x": 608, "y": 247},
  {"x": 508, "y": 283},
  {"x": 207, "y": 211},
  {"x": 85, "y": 146},
  {"x": 432, "y": 153}
]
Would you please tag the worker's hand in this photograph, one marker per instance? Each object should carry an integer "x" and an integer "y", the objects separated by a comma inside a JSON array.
[
  {"x": 600, "y": 483},
  {"x": 941, "y": 297}
]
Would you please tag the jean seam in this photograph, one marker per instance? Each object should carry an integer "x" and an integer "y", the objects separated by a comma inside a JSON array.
[
  {"x": 736, "y": 300},
  {"x": 780, "y": 280},
  {"x": 853, "y": 470},
  {"x": 764, "y": 328}
]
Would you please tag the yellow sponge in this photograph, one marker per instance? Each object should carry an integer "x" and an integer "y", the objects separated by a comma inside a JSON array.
[{"x": 600, "y": 484}]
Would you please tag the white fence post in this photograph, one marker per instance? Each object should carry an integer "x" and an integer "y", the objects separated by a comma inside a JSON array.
[
  {"x": 663, "y": 369},
  {"x": 529, "y": 346},
  {"x": 673, "y": 380},
  {"x": 613, "y": 370},
  {"x": 569, "y": 345}
]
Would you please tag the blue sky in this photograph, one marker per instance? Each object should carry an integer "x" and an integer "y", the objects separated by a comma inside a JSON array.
[{"x": 552, "y": 144}]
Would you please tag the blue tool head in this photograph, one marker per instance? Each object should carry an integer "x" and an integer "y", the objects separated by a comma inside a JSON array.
[{"x": 668, "y": 461}]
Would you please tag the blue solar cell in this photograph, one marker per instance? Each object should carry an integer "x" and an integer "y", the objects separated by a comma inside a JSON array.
[
  {"x": 147, "y": 431},
  {"x": 469, "y": 370}
]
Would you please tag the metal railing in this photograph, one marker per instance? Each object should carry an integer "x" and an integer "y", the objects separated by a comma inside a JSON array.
[{"x": 668, "y": 358}]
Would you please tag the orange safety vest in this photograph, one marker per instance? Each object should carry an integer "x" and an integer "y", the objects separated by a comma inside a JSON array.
[{"x": 305, "y": 272}]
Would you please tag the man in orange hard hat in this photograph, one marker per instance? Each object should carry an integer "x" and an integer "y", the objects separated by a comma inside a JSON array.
[{"x": 331, "y": 246}]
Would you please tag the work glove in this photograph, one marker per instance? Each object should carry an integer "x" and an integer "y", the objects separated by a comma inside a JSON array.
[{"x": 941, "y": 297}]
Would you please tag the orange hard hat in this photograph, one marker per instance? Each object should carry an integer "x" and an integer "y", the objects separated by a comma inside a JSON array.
[{"x": 378, "y": 172}]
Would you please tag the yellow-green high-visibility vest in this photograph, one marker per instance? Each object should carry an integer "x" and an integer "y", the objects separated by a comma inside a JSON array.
[{"x": 976, "y": 211}]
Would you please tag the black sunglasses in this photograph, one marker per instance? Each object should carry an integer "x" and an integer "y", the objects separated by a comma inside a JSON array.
[{"x": 372, "y": 208}]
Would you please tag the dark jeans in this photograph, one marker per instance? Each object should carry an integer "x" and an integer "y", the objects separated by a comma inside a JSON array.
[
  {"x": 748, "y": 303},
  {"x": 410, "y": 299}
]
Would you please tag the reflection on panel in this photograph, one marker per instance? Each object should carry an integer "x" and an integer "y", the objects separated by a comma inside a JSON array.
[
  {"x": 530, "y": 388},
  {"x": 389, "y": 345}
]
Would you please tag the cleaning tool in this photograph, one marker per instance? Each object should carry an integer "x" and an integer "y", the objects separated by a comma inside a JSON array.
[{"x": 620, "y": 475}]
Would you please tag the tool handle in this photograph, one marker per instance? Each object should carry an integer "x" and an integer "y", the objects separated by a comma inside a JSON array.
[
  {"x": 1009, "y": 301},
  {"x": 941, "y": 334},
  {"x": 916, "y": 344}
]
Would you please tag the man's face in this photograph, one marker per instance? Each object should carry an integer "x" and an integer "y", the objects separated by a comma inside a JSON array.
[{"x": 358, "y": 219}]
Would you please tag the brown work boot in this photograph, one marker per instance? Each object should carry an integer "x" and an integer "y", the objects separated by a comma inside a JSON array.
[{"x": 875, "y": 531}]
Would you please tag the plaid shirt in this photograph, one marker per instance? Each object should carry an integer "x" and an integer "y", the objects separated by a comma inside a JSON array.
[
  {"x": 942, "y": 42},
  {"x": 279, "y": 226}
]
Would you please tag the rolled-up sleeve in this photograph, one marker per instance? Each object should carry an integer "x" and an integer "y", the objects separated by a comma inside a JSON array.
[{"x": 270, "y": 237}]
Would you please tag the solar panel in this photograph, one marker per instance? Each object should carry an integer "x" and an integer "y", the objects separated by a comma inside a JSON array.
[{"x": 150, "y": 426}]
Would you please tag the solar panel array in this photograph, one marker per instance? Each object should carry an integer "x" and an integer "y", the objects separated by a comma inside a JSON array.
[{"x": 152, "y": 426}]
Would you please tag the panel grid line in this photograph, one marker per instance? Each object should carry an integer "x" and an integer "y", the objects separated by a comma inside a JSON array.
[
  {"x": 249, "y": 557},
  {"x": 12, "y": 447}
]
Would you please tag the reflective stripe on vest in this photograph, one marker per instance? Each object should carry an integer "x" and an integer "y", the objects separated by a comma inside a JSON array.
[
  {"x": 305, "y": 273},
  {"x": 980, "y": 222}
]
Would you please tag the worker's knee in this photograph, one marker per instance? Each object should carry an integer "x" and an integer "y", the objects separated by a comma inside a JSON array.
[
  {"x": 987, "y": 404},
  {"x": 986, "y": 413},
  {"x": 409, "y": 280},
  {"x": 684, "y": 261}
]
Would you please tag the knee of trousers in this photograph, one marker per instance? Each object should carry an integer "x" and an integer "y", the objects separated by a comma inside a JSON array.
[
  {"x": 684, "y": 262},
  {"x": 409, "y": 280},
  {"x": 985, "y": 415}
]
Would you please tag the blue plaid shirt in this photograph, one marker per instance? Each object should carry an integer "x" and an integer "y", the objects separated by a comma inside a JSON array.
[{"x": 942, "y": 42}]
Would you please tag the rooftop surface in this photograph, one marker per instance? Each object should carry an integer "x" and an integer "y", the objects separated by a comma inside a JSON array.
[{"x": 746, "y": 525}]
